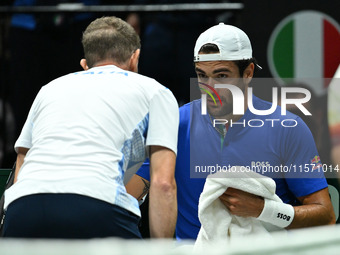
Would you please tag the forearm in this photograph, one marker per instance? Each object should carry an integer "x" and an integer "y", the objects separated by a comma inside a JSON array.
[
  {"x": 163, "y": 209},
  {"x": 137, "y": 187},
  {"x": 20, "y": 160},
  {"x": 316, "y": 209},
  {"x": 163, "y": 193},
  {"x": 162, "y": 203},
  {"x": 311, "y": 215}
]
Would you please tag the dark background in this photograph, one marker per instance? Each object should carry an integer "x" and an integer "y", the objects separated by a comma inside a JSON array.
[{"x": 30, "y": 59}]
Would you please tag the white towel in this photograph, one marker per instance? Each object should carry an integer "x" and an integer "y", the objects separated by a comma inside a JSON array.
[{"x": 216, "y": 221}]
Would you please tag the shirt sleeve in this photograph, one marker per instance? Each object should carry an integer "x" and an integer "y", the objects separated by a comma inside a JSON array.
[
  {"x": 144, "y": 170},
  {"x": 163, "y": 120},
  {"x": 305, "y": 175}
]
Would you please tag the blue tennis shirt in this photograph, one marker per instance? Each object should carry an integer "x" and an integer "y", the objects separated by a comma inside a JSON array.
[{"x": 279, "y": 146}]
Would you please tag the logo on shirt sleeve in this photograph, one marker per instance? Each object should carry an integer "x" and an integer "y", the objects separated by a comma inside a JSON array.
[{"x": 315, "y": 162}]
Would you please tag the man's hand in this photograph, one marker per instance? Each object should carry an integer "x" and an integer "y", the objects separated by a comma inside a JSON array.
[
  {"x": 242, "y": 203},
  {"x": 316, "y": 208}
]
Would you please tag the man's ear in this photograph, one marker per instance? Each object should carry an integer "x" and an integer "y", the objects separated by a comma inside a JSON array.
[
  {"x": 133, "y": 63},
  {"x": 83, "y": 64},
  {"x": 248, "y": 73}
]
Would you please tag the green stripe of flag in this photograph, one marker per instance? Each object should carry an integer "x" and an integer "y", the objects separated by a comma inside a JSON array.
[{"x": 283, "y": 52}]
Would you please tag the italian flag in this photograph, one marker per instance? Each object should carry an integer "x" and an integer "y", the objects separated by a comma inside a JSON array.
[{"x": 305, "y": 45}]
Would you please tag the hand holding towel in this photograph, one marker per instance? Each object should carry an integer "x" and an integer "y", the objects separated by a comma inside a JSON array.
[{"x": 216, "y": 221}]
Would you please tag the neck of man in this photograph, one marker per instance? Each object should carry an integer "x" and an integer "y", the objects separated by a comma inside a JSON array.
[{"x": 110, "y": 62}]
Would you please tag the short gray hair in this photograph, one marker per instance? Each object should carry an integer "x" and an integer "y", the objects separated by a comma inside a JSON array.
[{"x": 109, "y": 38}]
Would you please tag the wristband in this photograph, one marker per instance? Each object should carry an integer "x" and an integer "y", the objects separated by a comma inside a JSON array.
[{"x": 276, "y": 213}]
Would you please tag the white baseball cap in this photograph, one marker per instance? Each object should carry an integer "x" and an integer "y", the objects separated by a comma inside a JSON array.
[{"x": 232, "y": 42}]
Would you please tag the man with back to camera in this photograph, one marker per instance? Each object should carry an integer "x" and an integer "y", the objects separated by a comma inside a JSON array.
[
  {"x": 83, "y": 132},
  {"x": 223, "y": 55}
]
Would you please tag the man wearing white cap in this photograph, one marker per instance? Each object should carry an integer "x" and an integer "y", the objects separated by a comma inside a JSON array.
[{"x": 223, "y": 55}]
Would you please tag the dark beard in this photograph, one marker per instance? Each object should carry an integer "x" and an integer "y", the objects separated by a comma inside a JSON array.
[{"x": 227, "y": 104}]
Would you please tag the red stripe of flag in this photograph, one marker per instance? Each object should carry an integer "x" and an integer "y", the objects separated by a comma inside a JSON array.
[{"x": 331, "y": 46}]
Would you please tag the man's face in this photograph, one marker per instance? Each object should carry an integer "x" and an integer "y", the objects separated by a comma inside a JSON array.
[{"x": 219, "y": 72}]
